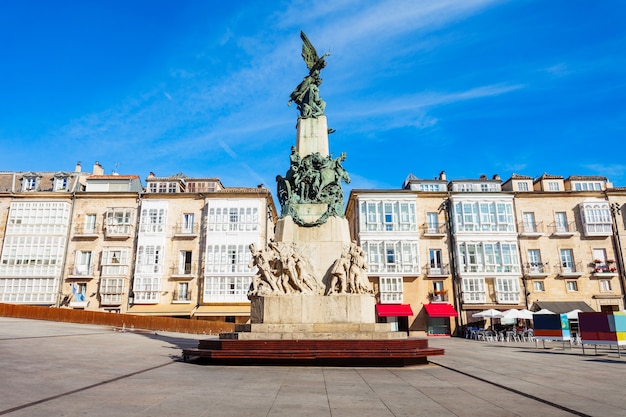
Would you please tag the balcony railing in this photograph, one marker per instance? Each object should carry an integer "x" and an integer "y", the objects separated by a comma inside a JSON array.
[
  {"x": 438, "y": 296},
  {"x": 434, "y": 230},
  {"x": 81, "y": 271},
  {"x": 181, "y": 297},
  {"x": 530, "y": 228},
  {"x": 537, "y": 269},
  {"x": 182, "y": 231},
  {"x": 571, "y": 270},
  {"x": 117, "y": 231},
  {"x": 568, "y": 229},
  {"x": 440, "y": 271},
  {"x": 602, "y": 268},
  {"x": 187, "y": 271},
  {"x": 86, "y": 230}
]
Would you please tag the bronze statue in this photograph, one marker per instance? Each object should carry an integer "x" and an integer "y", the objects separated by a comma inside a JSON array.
[{"x": 306, "y": 94}]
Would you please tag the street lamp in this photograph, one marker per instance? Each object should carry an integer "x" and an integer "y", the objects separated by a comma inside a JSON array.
[{"x": 617, "y": 243}]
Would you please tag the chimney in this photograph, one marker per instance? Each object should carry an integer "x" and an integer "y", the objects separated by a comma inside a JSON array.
[
  {"x": 78, "y": 167},
  {"x": 496, "y": 177},
  {"x": 442, "y": 175},
  {"x": 151, "y": 175},
  {"x": 97, "y": 169}
]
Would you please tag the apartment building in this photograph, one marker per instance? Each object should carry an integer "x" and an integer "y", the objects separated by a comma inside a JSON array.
[
  {"x": 449, "y": 249},
  {"x": 567, "y": 250},
  {"x": 103, "y": 242},
  {"x": 35, "y": 223}
]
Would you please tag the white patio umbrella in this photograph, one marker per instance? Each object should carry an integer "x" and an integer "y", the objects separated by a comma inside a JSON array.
[
  {"x": 544, "y": 311},
  {"x": 573, "y": 315},
  {"x": 491, "y": 313},
  {"x": 526, "y": 314}
]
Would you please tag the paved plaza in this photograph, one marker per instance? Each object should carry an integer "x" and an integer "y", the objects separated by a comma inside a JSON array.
[{"x": 65, "y": 369}]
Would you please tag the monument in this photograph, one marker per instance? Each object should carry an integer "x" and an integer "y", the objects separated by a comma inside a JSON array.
[{"x": 311, "y": 298}]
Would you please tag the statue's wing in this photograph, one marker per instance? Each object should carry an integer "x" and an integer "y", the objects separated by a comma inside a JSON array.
[{"x": 308, "y": 51}]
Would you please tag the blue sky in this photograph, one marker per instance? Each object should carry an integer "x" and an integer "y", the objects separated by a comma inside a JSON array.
[{"x": 470, "y": 87}]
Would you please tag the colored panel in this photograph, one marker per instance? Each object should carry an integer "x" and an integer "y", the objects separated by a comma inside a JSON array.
[
  {"x": 548, "y": 333},
  {"x": 547, "y": 322},
  {"x": 593, "y": 322}
]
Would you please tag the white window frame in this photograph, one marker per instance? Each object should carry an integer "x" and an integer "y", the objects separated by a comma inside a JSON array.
[
  {"x": 473, "y": 290},
  {"x": 391, "y": 290},
  {"x": 507, "y": 290}
]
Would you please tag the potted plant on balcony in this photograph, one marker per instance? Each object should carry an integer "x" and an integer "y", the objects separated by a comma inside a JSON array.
[{"x": 597, "y": 261}]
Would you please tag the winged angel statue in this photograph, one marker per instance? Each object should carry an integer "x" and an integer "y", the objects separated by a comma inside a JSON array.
[{"x": 306, "y": 94}]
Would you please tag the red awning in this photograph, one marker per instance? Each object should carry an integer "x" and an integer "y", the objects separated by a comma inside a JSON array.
[
  {"x": 395, "y": 310},
  {"x": 440, "y": 310}
]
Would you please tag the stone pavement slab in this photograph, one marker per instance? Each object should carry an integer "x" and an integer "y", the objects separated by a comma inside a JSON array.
[{"x": 65, "y": 369}]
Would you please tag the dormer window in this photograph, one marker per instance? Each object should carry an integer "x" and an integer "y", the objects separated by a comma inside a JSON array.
[
  {"x": 60, "y": 183},
  {"x": 30, "y": 183}
]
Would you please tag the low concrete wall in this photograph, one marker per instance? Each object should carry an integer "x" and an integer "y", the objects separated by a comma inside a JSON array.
[{"x": 128, "y": 321}]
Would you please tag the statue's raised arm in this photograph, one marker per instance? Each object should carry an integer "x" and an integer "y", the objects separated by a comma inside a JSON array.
[{"x": 306, "y": 94}]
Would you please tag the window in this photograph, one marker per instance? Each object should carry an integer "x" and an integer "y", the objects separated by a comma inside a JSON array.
[
  {"x": 474, "y": 216},
  {"x": 567, "y": 260},
  {"x": 553, "y": 186},
  {"x": 118, "y": 221},
  {"x": 182, "y": 292},
  {"x": 29, "y": 183},
  {"x": 82, "y": 265},
  {"x": 605, "y": 285},
  {"x": 111, "y": 291},
  {"x": 60, "y": 183},
  {"x": 507, "y": 290},
  {"x": 392, "y": 256},
  {"x": 147, "y": 290},
  {"x": 241, "y": 219},
  {"x": 387, "y": 216},
  {"x": 391, "y": 290},
  {"x": 188, "y": 220},
  {"x": 115, "y": 261},
  {"x": 90, "y": 224},
  {"x": 184, "y": 266},
  {"x": 522, "y": 186},
  {"x": 153, "y": 220},
  {"x": 149, "y": 259},
  {"x": 535, "y": 266},
  {"x": 435, "y": 263},
  {"x": 538, "y": 286},
  {"x": 432, "y": 223},
  {"x": 228, "y": 258},
  {"x": 571, "y": 286},
  {"x": 79, "y": 291},
  {"x": 473, "y": 290},
  {"x": 560, "y": 219},
  {"x": 529, "y": 222},
  {"x": 596, "y": 218},
  {"x": 226, "y": 288},
  {"x": 488, "y": 257},
  {"x": 588, "y": 186}
]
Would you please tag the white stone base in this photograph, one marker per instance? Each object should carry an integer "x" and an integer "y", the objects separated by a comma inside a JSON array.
[
  {"x": 307, "y": 317},
  {"x": 313, "y": 309},
  {"x": 321, "y": 244}
]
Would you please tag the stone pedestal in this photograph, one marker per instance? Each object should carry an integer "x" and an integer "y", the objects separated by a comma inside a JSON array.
[
  {"x": 312, "y": 136},
  {"x": 321, "y": 244},
  {"x": 309, "y": 317}
]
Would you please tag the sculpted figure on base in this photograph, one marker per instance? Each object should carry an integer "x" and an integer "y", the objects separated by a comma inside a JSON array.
[
  {"x": 349, "y": 272},
  {"x": 282, "y": 269}
]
